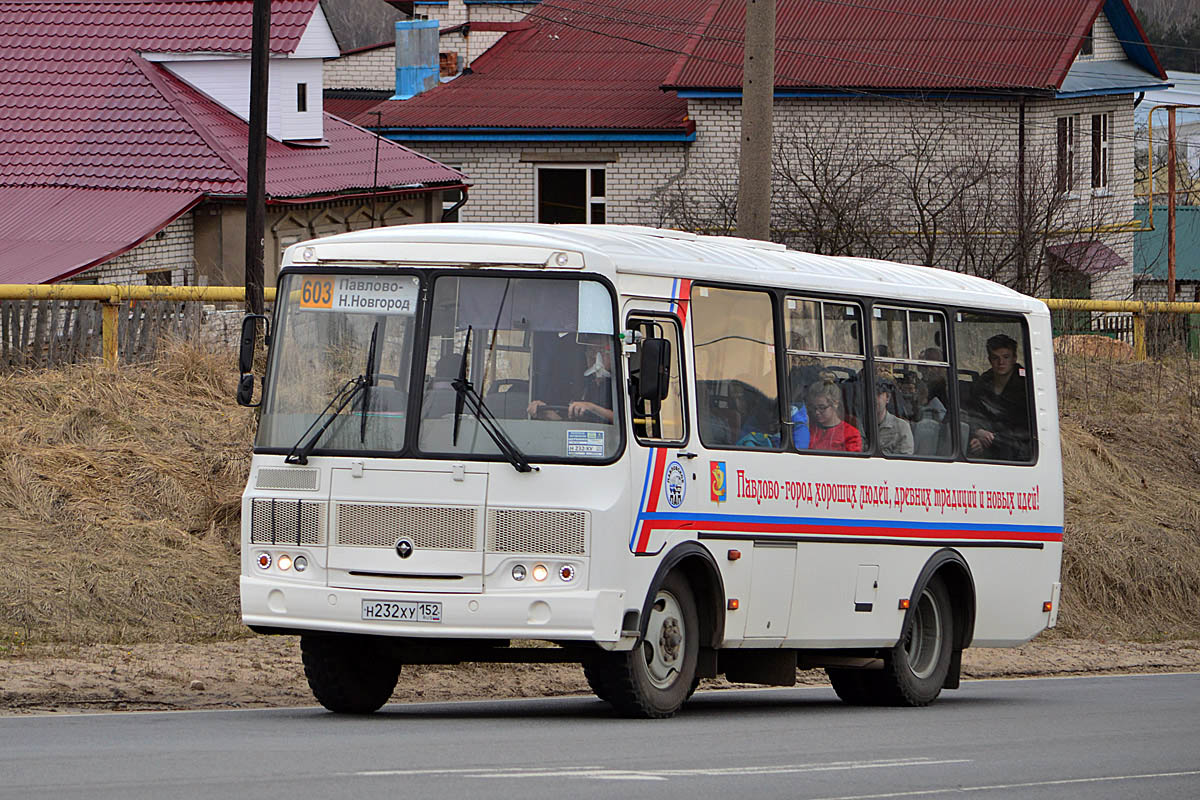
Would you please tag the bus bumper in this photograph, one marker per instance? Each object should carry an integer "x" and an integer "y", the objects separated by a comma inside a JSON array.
[{"x": 575, "y": 615}]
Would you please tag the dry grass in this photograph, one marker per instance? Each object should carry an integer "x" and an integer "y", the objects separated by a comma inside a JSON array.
[
  {"x": 1131, "y": 464},
  {"x": 119, "y": 500}
]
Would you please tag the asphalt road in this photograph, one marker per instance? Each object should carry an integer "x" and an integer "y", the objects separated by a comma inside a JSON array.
[{"x": 1095, "y": 738}]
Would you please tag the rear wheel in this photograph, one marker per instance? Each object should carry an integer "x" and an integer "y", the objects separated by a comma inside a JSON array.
[
  {"x": 915, "y": 669},
  {"x": 654, "y": 678},
  {"x": 349, "y": 674}
]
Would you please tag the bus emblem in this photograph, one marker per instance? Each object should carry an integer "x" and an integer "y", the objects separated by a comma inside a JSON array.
[
  {"x": 404, "y": 548},
  {"x": 675, "y": 485},
  {"x": 718, "y": 481}
]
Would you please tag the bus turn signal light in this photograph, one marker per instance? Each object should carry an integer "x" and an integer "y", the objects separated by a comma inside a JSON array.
[
  {"x": 732, "y": 605},
  {"x": 734, "y": 555},
  {"x": 903, "y": 604},
  {"x": 1047, "y": 606}
]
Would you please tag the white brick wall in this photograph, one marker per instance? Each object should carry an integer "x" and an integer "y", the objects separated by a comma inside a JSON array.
[
  {"x": 170, "y": 248},
  {"x": 369, "y": 69},
  {"x": 1105, "y": 44},
  {"x": 503, "y": 189}
]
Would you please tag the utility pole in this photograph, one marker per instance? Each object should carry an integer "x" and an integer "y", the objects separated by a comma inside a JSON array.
[
  {"x": 1170, "y": 203},
  {"x": 256, "y": 155},
  {"x": 758, "y": 99}
]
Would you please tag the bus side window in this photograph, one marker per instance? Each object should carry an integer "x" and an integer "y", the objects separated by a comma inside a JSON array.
[
  {"x": 994, "y": 387},
  {"x": 737, "y": 389},
  {"x": 827, "y": 392},
  {"x": 668, "y": 425}
]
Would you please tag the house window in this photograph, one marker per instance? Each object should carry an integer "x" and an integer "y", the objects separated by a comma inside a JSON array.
[
  {"x": 301, "y": 97},
  {"x": 158, "y": 277},
  {"x": 571, "y": 194},
  {"x": 1087, "y": 49},
  {"x": 1100, "y": 150},
  {"x": 1066, "y": 155}
]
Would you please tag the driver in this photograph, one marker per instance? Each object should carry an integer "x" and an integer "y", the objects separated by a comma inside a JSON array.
[{"x": 596, "y": 397}]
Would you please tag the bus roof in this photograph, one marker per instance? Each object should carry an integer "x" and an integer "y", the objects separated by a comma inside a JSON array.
[{"x": 649, "y": 251}]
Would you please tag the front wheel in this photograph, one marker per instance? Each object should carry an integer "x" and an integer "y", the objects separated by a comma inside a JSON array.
[
  {"x": 348, "y": 674},
  {"x": 654, "y": 678}
]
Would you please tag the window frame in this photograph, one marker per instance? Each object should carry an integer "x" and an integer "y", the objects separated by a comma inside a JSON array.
[
  {"x": 638, "y": 315},
  {"x": 952, "y": 409},
  {"x": 961, "y": 453},
  {"x": 776, "y": 331},
  {"x": 590, "y": 198},
  {"x": 1101, "y": 151},
  {"x": 1068, "y": 146}
]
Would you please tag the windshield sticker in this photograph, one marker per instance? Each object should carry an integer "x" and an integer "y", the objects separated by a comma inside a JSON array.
[
  {"x": 352, "y": 293},
  {"x": 675, "y": 485},
  {"x": 585, "y": 443}
]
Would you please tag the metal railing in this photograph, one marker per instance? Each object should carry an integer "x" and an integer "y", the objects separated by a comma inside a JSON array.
[{"x": 1138, "y": 309}]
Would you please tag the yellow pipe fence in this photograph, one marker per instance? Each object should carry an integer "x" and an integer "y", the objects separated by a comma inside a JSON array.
[{"x": 112, "y": 295}]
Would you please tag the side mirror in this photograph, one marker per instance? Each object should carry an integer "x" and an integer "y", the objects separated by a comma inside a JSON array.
[
  {"x": 245, "y": 390},
  {"x": 654, "y": 375}
]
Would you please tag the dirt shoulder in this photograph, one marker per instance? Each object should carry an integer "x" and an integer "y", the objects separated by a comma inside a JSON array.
[{"x": 265, "y": 672}]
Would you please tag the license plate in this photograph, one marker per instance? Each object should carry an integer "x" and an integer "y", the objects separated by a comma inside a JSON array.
[{"x": 401, "y": 611}]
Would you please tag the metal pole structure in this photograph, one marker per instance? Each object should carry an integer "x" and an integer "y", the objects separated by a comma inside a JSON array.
[
  {"x": 1170, "y": 204},
  {"x": 256, "y": 155},
  {"x": 758, "y": 98},
  {"x": 375, "y": 179}
]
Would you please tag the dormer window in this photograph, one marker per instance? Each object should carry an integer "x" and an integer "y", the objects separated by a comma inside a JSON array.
[
  {"x": 1088, "y": 43},
  {"x": 301, "y": 97}
]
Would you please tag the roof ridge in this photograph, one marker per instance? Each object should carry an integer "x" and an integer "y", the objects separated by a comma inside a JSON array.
[
  {"x": 162, "y": 83},
  {"x": 693, "y": 42}
]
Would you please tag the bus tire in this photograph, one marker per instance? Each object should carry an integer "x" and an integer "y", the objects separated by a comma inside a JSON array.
[
  {"x": 915, "y": 669},
  {"x": 854, "y": 687},
  {"x": 653, "y": 680},
  {"x": 348, "y": 674}
]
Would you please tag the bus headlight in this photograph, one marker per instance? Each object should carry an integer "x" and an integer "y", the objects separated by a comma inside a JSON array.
[
  {"x": 300, "y": 564},
  {"x": 518, "y": 572},
  {"x": 540, "y": 573}
]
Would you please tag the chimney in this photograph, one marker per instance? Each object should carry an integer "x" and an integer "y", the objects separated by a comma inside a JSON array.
[{"x": 416, "y": 57}]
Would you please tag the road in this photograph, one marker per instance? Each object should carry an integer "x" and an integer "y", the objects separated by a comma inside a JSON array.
[{"x": 1096, "y": 738}]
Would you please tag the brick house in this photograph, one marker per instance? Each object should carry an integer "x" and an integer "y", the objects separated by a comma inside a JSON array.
[
  {"x": 123, "y": 140},
  {"x": 629, "y": 112}
]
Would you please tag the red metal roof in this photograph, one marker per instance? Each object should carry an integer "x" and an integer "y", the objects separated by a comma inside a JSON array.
[
  {"x": 80, "y": 109},
  {"x": 579, "y": 64},
  {"x": 899, "y": 44},
  {"x": 48, "y": 233},
  {"x": 603, "y": 64}
]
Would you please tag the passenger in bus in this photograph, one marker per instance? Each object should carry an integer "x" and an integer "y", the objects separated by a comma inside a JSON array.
[
  {"x": 998, "y": 409},
  {"x": 935, "y": 377},
  {"x": 595, "y": 402},
  {"x": 827, "y": 430},
  {"x": 802, "y": 373},
  {"x": 895, "y": 434},
  {"x": 757, "y": 415}
]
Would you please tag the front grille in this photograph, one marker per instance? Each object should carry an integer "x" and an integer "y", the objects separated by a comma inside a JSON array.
[
  {"x": 517, "y": 530},
  {"x": 283, "y": 478},
  {"x": 428, "y": 527},
  {"x": 287, "y": 522}
]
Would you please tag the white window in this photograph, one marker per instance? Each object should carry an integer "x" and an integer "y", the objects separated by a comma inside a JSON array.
[
  {"x": 570, "y": 193},
  {"x": 1066, "y": 154},
  {"x": 1100, "y": 150}
]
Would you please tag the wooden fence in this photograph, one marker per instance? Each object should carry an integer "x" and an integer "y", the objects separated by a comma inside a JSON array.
[{"x": 45, "y": 333}]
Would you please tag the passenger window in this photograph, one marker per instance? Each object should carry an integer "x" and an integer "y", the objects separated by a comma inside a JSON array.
[
  {"x": 736, "y": 385},
  {"x": 912, "y": 407},
  {"x": 994, "y": 387},
  {"x": 668, "y": 425},
  {"x": 826, "y": 395}
]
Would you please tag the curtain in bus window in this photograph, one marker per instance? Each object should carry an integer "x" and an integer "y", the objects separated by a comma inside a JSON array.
[{"x": 736, "y": 384}]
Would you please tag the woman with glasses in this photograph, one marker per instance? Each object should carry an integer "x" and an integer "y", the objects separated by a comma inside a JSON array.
[{"x": 827, "y": 429}]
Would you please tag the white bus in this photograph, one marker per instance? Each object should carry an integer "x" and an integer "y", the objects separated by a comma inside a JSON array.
[{"x": 660, "y": 455}]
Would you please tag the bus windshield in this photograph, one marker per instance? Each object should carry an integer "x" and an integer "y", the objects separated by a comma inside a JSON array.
[
  {"x": 540, "y": 352},
  {"x": 328, "y": 327}
]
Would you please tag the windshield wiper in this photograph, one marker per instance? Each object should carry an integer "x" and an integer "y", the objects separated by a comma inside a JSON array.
[
  {"x": 370, "y": 376},
  {"x": 467, "y": 395},
  {"x": 350, "y": 389}
]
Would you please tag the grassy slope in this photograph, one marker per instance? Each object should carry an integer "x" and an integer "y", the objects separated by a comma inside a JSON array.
[{"x": 119, "y": 500}]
